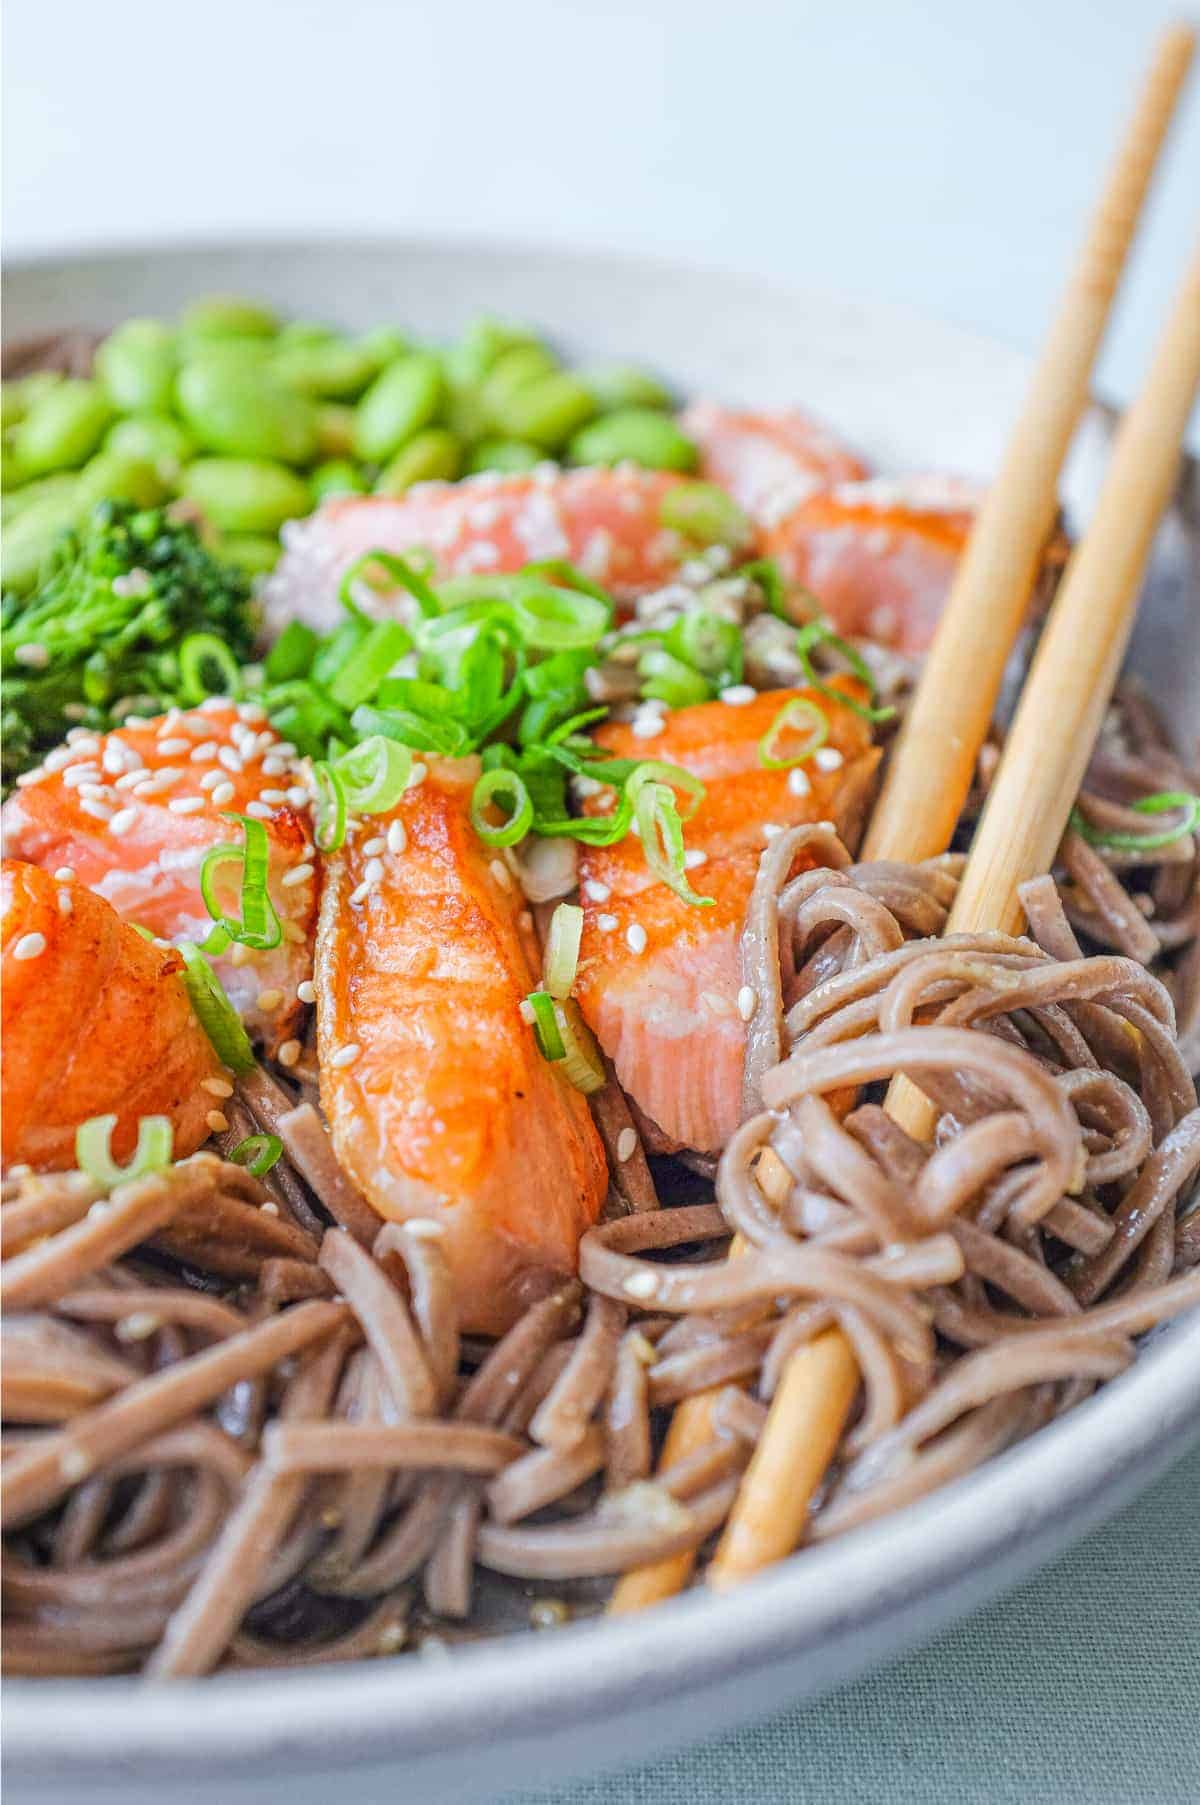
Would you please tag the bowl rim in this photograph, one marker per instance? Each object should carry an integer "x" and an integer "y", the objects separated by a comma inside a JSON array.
[{"x": 964, "y": 1542}]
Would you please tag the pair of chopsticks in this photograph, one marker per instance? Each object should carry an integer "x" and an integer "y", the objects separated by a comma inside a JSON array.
[{"x": 1061, "y": 708}]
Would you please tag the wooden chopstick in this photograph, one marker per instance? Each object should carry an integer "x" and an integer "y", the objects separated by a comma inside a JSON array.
[
  {"x": 931, "y": 766},
  {"x": 1017, "y": 531},
  {"x": 1061, "y": 708}
]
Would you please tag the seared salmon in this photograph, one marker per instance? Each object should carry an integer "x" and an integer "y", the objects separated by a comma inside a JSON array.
[
  {"x": 659, "y": 978},
  {"x": 438, "y": 1101},
  {"x": 607, "y": 522},
  {"x": 768, "y": 460},
  {"x": 96, "y": 1022},
  {"x": 133, "y": 812}
]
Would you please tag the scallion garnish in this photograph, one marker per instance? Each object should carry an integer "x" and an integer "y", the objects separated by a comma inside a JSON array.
[
  {"x": 582, "y": 1064},
  {"x": 819, "y": 632},
  {"x": 668, "y": 679},
  {"x": 703, "y": 512},
  {"x": 709, "y": 643},
  {"x": 404, "y": 571},
  {"x": 374, "y": 774},
  {"x": 798, "y": 715},
  {"x": 539, "y": 1010},
  {"x": 215, "y": 1013},
  {"x": 93, "y": 1149},
  {"x": 562, "y": 949},
  {"x": 258, "y": 1153},
  {"x": 369, "y": 663},
  {"x": 661, "y": 831},
  {"x": 329, "y": 808},
  {"x": 501, "y": 788},
  {"x": 258, "y": 925},
  {"x": 1164, "y": 802},
  {"x": 207, "y": 668}
]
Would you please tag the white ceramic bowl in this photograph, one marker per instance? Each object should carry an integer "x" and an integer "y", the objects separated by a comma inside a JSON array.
[{"x": 530, "y": 1710}]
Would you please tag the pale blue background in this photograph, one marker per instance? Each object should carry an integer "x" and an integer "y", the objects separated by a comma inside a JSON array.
[{"x": 933, "y": 152}]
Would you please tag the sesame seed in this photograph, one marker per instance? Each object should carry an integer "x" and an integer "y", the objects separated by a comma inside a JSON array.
[
  {"x": 204, "y": 755},
  {"x": 771, "y": 829},
  {"x": 123, "y": 820},
  {"x": 289, "y": 1053},
  {"x": 273, "y": 766},
  {"x": 275, "y": 796},
  {"x": 501, "y": 873},
  {"x": 215, "y": 705},
  {"x": 270, "y": 999},
  {"x": 419, "y": 773},
  {"x": 298, "y": 796},
  {"x": 129, "y": 780},
  {"x": 99, "y": 811},
  {"x": 828, "y": 758},
  {"x": 360, "y": 893},
  {"x": 693, "y": 857},
  {"x": 596, "y": 891},
  {"x": 646, "y": 726},
  {"x": 606, "y": 923},
  {"x": 163, "y": 780},
  {"x": 738, "y": 695},
  {"x": 306, "y": 992},
  {"x": 374, "y": 871},
  {"x": 375, "y": 846},
  {"x": 213, "y": 780},
  {"x": 82, "y": 738},
  {"x": 132, "y": 582},
  {"x": 346, "y": 1055},
  {"x": 284, "y": 749},
  {"x": 139, "y": 1325},
  {"x": 626, "y": 1144},
  {"x": 56, "y": 760},
  {"x": 119, "y": 759},
  {"x": 640, "y": 1284},
  {"x": 299, "y": 874},
  {"x": 66, "y": 904},
  {"x": 30, "y": 946},
  {"x": 262, "y": 811},
  {"x": 174, "y": 748},
  {"x": 35, "y": 655},
  {"x": 217, "y": 1121},
  {"x": 251, "y": 711},
  {"x": 397, "y": 839},
  {"x": 98, "y": 792},
  {"x": 635, "y": 938},
  {"x": 747, "y": 1002},
  {"x": 798, "y": 782},
  {"x": 425, "y": 1228},
  {"x": 217, "y": 1087},
  {"x": 268, "y": 1208},
  {"x": 223, "y": 793},
  {"x": 74, "y": 1465},
  {"x": 75, "y": 775},
  {"x": 65, "y": 874},
  {"x": 228, "y": 757},
  {"x": 186, "y": 805}
]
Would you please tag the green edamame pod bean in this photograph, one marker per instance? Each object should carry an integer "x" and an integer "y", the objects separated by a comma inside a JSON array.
[
  {"x": 384, "y": 345},
  {"x": 303, "y": 332},
  {"x": 219, "y": 316},
  {"x": 255, "y": 553},
  {"x": 464, "y": 412},
  {"x": 136, "y": 364},
  {"x": 330, "y": 367},
  {"x": 511, "y": 456},
  {"x": 12, "y": 472},
  {"x": 335, "y": 430},
  {"x": 62, "y": 428},
  {"x": 30, "y": 537},
  {"x": 640, "y": 434},
  {"x": 246, "y": 495},
  {"x": 431, "y": 455},
  {"x": 110, "y": 476},
  {"x": 405, "y": 398},
  {"x": 241, "y": 411},
  {"x": 16, "y": 501},
  {"x": 19, "y": 395},
  {"x": 624, "y": 385},
  {"x": 163, "y": 443},
  {"x": 547, "y": 410},
  {"x": 482, "y": 344},
  {"x": 337, "y": 476},
  {"x": 511, "y": 371}
]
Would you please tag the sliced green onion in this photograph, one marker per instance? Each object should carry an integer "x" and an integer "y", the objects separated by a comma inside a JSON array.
[
  {"x": 582, "y": 1063},
  {"x": 796, "y": 716},
  {"x": 93, "y": 1149},
  {"x": 538, "y": 1009},
  {"x": 562, "y": 949},
  {"x": 668, "y": 679},
  {"x": 411, "y": 726},
  {"x": 369, "y": 663},
  {"x": 1160, "y": 804},
  {"x": 709, "y": 643},
  {"x": 661, "y": 831},
  {"x": 215, "y": 1013},
  {"x": 551, "y": 619},
  {"x": 767, "y": 574},
  {"x": 654, "y": 770},
  {"x": 375, "y": 774},
  {"x": 207, "y": 668},
  {"x": 705, "y": 513},
  {"x": 403, "y": 570},
  {"x": 503, "y": 789},
  {"x": 258, "y": 926},
  {"x": 329, "y": 809},
  {"x": 292, "y": 654},
  {"x": 258, "y": 1153},
  {"x": 819, "y": 632}
]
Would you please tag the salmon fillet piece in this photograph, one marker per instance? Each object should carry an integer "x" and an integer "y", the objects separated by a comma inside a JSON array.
[
  {"x": 878, "y": 556},
  {"x": 96, "y": 1022},
  {"x": 439, "y": 1104},
  {"x": 133, "y": 812},
  {"x": 607, "y": 522},
  {"x": 768, "y": 460},
  {"x": 658, "y": 977}
]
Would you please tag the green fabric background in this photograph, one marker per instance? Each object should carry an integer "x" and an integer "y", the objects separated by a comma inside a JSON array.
[{"x": 1081, "y": 1688}]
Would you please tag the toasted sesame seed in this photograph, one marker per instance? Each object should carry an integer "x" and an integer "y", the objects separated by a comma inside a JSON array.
[
  {"x": 306, "y": 992},
  {"x": 828, "y": 758},
  {"x": 640, "y": 1284},
  {"x": 269, "y": 1208},
  {"x": 627, "y": 1142},
  {"x": 397, "y": 839},
  {"x": 375, "y": 846},
  {"x": 595, "y": 891},
  {"x": 798, "y": 782},
  {"x": 65, "y": 874},
  {"x": 223, "y": 794},
  {"x": 217, "y": 1087},
  {"x": 99, "y": 811},
  {"x": 35, "y": 655},
  {"x": 747, "y": 1002},
  {"x": 299, "y": 874},
  {"x": 738, "y": 695},
  {"x": 606, "y": 923},
  {"x": 270, "y": 999},
  {"x": 346, "y": 1055},
  {"x": 174, "y": 748},
  {"x": 262, "y": 811},
  {"x": 289, "y": 1053},
  {"x": 635, "y": 938},
  {"x": 217, "y": 1121},
  {"x": 30, "y": 946},
  {"x": 139, "y": 1325},
  {"x": 186, "y": 805}
]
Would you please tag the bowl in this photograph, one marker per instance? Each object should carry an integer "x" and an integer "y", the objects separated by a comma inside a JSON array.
[{"x": 529, "y": 1710}]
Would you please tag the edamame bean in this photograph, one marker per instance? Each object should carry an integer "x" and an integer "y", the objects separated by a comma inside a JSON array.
[
  {"x": 510, "y": 372},
  {"x": 12, "y": 471},
  {"x": 482, "y": 344},
  {"x": 111, "y": 476},
  {"x": 62, "y": 428},
  {"x": 397, "y": 405},
  {"x": 384, "y": 345},
  {"x": 429, "y": 456},
  {"x": 624, "y": 385},
  {"x": 303, "y": 332},
  {"x": 219, "y": 316},
  {"x": 547, "y": 410},
  {"x": 18, "y": 396},
  {"x": 163, "y": 443},
  {"x": 338, "y": 476},
  {"x": 639, "y": 434},
  {"x": 240, "y": 410},
  {"x": 329, "y": 367},
  {"x": 136, "y": 364},
  {"x": 255, "y": 553},
  {"x": 335, "y": 430},
  {"x": 29, "y": 537},
  {"x": 246, "y": 495},
  {"x": 16, "y": 501},
  {"x": 508, "y": 455}
]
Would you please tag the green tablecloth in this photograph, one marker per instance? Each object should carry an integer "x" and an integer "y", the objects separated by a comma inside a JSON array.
[{"x": 1080, "y": 1688}]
